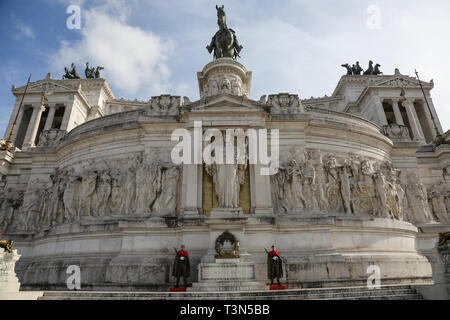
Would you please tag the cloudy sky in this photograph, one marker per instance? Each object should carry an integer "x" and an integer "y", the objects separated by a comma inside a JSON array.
[{"x": 154, "y": 47}]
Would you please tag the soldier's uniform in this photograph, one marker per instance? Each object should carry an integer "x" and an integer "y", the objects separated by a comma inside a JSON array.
[
  {"x": 181, "y": 266},
  {"x": 274, "y": 266}
]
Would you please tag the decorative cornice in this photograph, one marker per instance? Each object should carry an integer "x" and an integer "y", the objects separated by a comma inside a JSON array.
[
  {"x": 66, "y": 85},
  {"x": 123, "y": 101},
  {"x": 218, "y": 98},
  {"x": 378, "y": 81}
]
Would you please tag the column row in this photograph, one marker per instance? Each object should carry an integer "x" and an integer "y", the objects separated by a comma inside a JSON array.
[
  {"x": 32, "y": 127},
  {"x": 413, "y": 120}
]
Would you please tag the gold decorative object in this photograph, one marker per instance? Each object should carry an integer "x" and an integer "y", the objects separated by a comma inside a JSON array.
[
  {"x": 7, "y": 245},
  {"x": 221, "y": 254}
]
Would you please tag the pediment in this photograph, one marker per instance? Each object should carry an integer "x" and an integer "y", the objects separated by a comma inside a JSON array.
[
  {"x": 400, "y": 81},
  {"x": 227, "y": 102},
  {"x": 44, "y": 86}
]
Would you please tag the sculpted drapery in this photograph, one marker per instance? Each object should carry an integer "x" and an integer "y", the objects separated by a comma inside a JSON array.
[
  {"x": 95, "y": 191},
  {"x": 305, "y": 184}
]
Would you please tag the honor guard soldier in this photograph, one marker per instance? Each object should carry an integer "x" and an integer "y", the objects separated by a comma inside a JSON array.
[
  {"x": 274, "y": 265},
  {"x": 181, "y": 266}
]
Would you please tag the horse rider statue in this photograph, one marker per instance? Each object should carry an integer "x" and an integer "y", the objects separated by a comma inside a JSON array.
[{"x": 224, "y": 43}]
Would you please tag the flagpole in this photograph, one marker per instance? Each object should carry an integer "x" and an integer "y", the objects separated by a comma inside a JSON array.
[{"x": 9, "y": 142}]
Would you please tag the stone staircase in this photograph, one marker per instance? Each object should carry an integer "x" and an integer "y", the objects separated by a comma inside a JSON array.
[{"x": 400, "y": 292}]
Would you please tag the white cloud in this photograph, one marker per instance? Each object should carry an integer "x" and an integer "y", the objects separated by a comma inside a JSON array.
[
  {"x": 135, "y": 60},
  {"x": 293, "y": 57},
  {"x": 297, "y": 48},
  {"x": 27, "y": 31},
  {"x": 23, "y": 28}
]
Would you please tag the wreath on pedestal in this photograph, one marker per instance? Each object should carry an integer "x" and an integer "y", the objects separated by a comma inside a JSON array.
[{"x": 221, "y": 254}]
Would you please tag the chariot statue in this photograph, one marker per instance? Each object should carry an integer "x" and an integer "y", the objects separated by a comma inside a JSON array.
[
  {"x": 71, "y": 74},
  {"x": 92, "y": 72},
  {"x": 224, "y": 43}
]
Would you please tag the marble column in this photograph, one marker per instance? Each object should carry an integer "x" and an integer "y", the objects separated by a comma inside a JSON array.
[
  {"x": 413, "y": 121},
  {"x": 261, "y": 199},
  {"x": 66, "y": 117},
  {"x": 33, "y": 127},
  {"x": 50, "y": 117},
  {"x": 419, "y": 126},
  {"x": 380, "y": 110},
  {"x": 428, "y": 117},
  {"x": 433, "y": 111},
  {"x": 397, "y": 113},
  {"x": 18, "y": 124},
  {"x": 191, "y": 188}
]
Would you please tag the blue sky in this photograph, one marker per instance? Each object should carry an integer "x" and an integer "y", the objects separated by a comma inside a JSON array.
[{"x": 154, "y": 47}]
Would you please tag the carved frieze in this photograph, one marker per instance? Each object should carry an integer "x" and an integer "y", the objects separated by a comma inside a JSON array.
[
  {"x": 396, "y": 132},
  {"x": 285, "y": 103},
  {"x": 164, "y": 105},
  {"x": 51, "y": 137},
  {"x": 309, "y": 182},
  {"x": 224, "y": 83},
  {"x": 142, "y": 186}
]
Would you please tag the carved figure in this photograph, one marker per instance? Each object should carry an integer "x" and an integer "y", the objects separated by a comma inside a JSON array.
[
  {"x": 227, "y": 180},
  {"x": 417, "y": 199}
]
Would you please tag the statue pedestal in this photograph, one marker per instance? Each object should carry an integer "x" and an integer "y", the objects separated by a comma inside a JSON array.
[
  {"x": 9, "y": 283},
  {"x": 227, "y": 275},
  {"x": 217, "y": 213}
]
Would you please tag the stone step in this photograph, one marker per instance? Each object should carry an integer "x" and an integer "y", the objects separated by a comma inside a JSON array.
[
  {"x": 293, "y": 297},
  {"x": 231, "y": 294},
  {"x": 398, "y": 297},
  {"x": 321, "y": 294},
  {"x": 256, "y": 292},
  {"x": 349, "y": 293}
]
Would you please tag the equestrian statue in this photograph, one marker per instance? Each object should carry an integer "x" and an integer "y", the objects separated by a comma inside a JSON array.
[{"x": 224, "y": 43}]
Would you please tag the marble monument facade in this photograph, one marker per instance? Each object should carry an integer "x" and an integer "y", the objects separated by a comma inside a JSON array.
[{"x": 364, "y": 178}]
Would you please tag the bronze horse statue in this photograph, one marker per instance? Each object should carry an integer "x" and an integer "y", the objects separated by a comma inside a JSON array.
[
  {"x": 224, "y": 43},
  {"x": 92, "y": 72}
]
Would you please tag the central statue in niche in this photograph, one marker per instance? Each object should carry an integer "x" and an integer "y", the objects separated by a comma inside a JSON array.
[
  {"x": 227, "y": 179},
  {"x": 224, "y": 43}
]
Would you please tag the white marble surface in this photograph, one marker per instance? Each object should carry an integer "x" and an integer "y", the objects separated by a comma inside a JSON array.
[
  {"x": 103, "y": 212},
  {"x": 9, "y": 283}
]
